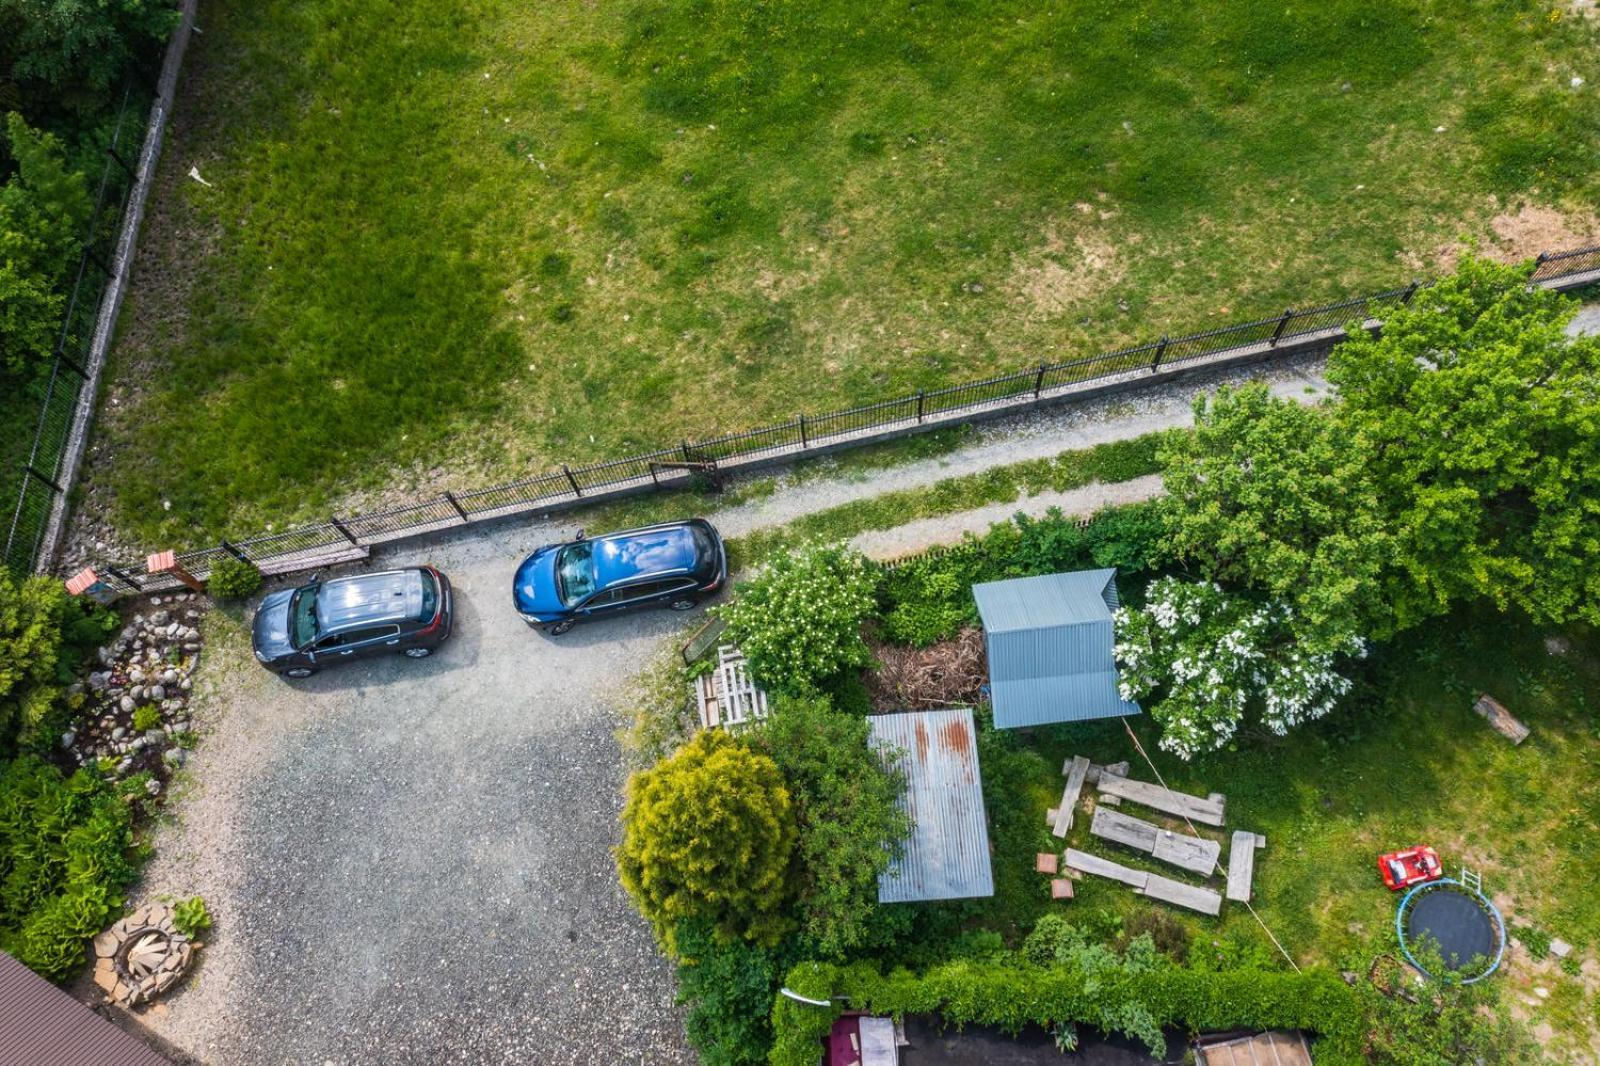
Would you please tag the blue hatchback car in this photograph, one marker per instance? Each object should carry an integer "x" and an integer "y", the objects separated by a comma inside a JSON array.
[{"x": 674, "y": 565}]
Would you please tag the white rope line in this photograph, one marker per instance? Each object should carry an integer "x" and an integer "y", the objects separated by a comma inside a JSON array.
[{"x": 1196, "y": 833}]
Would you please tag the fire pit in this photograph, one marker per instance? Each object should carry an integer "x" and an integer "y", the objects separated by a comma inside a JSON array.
[{"x": 141, "y": 956}]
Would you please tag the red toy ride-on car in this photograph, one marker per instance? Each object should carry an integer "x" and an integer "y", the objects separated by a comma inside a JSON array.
[{"x": 1402, "y": 869}]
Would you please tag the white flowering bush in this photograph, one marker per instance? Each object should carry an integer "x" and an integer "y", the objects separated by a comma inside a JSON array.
[
  {"x": 798, "y": 621},
  {"x": 1215, "y": 659}
]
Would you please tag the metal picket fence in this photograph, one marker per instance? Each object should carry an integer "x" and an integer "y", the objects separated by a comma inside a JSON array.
[
  {"x": 347, "y": 537},
  {"x": 39, "y": 479}
]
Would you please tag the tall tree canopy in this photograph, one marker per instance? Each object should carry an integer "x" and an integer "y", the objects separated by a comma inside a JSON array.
[{"x": 1477, "y": 420}]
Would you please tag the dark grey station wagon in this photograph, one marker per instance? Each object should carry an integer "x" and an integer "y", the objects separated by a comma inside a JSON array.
[{"x": 299, "y": 631}]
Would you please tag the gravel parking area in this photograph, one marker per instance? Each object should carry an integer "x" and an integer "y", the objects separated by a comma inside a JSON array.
[{"x": 409, "y": 862}]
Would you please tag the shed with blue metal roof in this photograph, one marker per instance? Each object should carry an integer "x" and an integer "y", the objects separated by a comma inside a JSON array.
[{"x": 1051, "y": 648}]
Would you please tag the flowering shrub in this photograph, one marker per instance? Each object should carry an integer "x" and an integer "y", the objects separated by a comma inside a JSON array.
[
  {"x": 1215, "y": 658},
  {"x": 798, "y": 622}
]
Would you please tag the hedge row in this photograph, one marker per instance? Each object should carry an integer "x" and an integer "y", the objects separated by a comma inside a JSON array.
[{"x": 1013, "y": 995}]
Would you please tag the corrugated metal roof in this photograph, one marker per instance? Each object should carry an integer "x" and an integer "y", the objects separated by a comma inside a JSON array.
[
  {"x": 1050, "y": 641},
  {"x": 947, "y": 853},
  {"x": 1046, "y": 600},
  {"x": 40, "y": 1025}
]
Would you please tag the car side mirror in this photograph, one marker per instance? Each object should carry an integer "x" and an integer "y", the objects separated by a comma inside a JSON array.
[{"x": 581, "y": 535}]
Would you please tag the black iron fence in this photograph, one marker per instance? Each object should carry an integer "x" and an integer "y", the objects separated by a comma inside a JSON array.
[
  {"x": 1293, "y": 330},
  {"x": 39, "y": 478}
]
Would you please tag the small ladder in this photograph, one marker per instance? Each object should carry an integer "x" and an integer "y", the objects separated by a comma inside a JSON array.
[{"x": 1472, "y": 879}]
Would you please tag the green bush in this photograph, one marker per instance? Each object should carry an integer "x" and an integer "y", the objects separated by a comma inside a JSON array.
[
  {"x": 728, "y": 988},
  {"x": 233, "y": 579},
  {"x": 146, "y": 718},
  {"x": 709, "y": 835},
  {"x": 798, "y": 621},
  {"x": 45, "y": 636},
  {"x": 1076, "y": 985},
  {"x": 847, "y": 807},
  {"x": 190, "y": 916},
  {"x": 64, "y": 847}
]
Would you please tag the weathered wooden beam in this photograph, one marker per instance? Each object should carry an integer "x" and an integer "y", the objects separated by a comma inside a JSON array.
[
  {"x": 1242, "y": 865},
  {"x": 1083, "y": 862},
  {"x": 1504, "y": 722},
  {"x": 1195, "y": 854},
  {"x": 1076, "y": 771},
  {"x": 1209, "y": 810},
  {"x": 1169, "y": 891}
]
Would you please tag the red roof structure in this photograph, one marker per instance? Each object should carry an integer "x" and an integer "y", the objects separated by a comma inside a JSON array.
[{"x": 43, "y": 1026}]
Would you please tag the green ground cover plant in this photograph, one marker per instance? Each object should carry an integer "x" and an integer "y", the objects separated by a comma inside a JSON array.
[
  {"x": 451, "y": 246},
  {"x": 64, "y": 861}
]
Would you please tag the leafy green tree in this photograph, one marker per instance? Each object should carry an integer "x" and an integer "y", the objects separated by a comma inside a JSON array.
[
  {"x": 43, "y": 210},
  {"x": 709, "y": 834},
  {"x": 1274, "y": 496},
  {"x": 77, "y": 49},
  {"x": 1447, "y": 1023},
  {"x": 851, "y": 825},
  {"x": 1477, "y": 421},
  {"x": 798, "y": 621}
]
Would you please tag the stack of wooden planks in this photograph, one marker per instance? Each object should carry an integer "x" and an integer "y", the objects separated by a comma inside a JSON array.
[
  {"x": 1154, "y": 886},
  {"x": 1208, "y": 811},
  {"x": 726, "y": 695},
  {"x": 1195, "y": 854}
]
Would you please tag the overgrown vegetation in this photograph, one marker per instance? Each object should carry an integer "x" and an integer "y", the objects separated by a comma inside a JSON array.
[
  {"x": 64, "y": 861},
  {"x": 650, "y": 221},
  {"x": 45, "y": 635},
  {"x": 233, "y": 579}
]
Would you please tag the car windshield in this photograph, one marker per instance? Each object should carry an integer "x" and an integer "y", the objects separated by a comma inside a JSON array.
[
  {"x": 575, "y": 572},
  {"x": 430, "y": 598},
  {"x": 303, "y": 617}
]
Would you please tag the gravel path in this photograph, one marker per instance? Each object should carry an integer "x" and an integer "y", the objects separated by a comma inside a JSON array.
[{"x": 410, "y": 862}]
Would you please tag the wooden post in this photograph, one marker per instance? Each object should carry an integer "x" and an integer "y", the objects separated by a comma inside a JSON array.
[{"x": 167, "y": 563}]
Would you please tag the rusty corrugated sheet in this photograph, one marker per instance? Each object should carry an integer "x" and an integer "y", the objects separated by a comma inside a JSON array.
[
  {"x": 947, "y": 854},
  {"x": 40, "y": 1025}
]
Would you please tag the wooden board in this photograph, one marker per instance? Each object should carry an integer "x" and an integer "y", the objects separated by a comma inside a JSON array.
[
  {"x": 1208, "y": 811},
  {"x": 1504, "y": 722},
  {"x": 1241, "y": 866},
  {"x": 1195, "y": 854},
  {"x": 1169, "y": 891},
  {"x": 1124, "y": 829},
  {"x": 1094, "y": 864},
  {"x": 1186, "y": 852},
  {"x": 1076, "y": 771}
]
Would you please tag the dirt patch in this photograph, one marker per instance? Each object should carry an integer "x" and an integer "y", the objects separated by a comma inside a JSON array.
[
  {"x": 945, "y": 674},
  {"x": 1064, "y": 271},
  {"x": 1524, "y": 233}
]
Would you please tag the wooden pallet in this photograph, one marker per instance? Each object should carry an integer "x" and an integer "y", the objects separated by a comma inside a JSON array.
[{"x": 727, "y": 697}]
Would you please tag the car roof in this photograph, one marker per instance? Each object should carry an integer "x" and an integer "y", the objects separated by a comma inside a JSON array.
[
  {"x": 363, "y": 599},
  {"x": 654, "y": 551}
]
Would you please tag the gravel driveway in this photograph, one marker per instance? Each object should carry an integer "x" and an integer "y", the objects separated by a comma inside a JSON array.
[{"x": 409, "y": 862}]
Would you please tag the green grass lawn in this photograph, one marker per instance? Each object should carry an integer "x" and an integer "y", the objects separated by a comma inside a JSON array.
[
  {"x": 448, "y": 244},
  {"x": 1408, "y": 763}
]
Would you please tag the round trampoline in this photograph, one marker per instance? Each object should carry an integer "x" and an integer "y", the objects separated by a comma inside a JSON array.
[{"x": 1457, "y": 922}]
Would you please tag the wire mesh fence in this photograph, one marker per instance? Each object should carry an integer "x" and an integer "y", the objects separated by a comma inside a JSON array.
[
  {"x": 351, "y": 536},
  {"x": 55, "y": 394}
]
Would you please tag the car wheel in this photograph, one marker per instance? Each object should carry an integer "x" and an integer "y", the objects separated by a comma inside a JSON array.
[
  {"x": 299, "y": 671},
  {"x": 683, "y": 603},
  {"x": 417, "y": 653},
  {"x": 557, "y": 628}
]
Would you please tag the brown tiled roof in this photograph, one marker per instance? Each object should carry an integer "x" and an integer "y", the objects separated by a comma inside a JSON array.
[{"x": 40, "y": 1025}]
